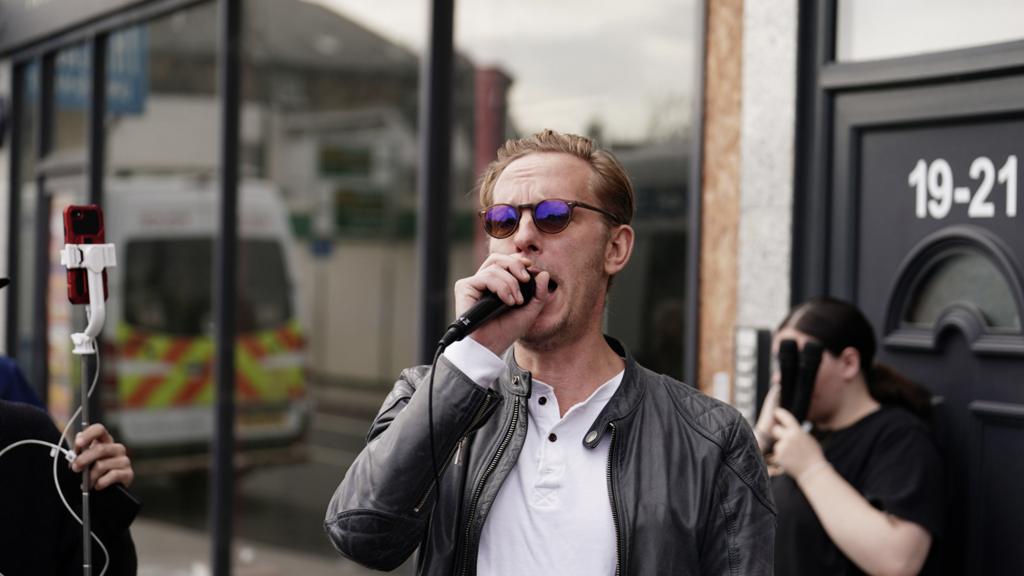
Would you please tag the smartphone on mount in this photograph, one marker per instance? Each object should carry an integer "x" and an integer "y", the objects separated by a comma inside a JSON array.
[{"x": 83, "y": 225}]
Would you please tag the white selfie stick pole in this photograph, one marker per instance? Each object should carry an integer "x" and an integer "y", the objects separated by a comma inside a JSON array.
[{"x": 94, "y": 258}]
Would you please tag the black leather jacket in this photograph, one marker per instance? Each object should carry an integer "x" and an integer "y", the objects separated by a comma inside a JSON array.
[{"x": 688, "y": 486}]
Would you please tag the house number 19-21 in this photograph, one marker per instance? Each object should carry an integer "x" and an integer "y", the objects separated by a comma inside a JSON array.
[{"x": 936, "y": 192}]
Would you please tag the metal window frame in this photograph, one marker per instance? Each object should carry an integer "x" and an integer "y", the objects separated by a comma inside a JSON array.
[
  {"x": 14, "y": 204},
  {"x": 96, "y": 151},
  {"x": 691, "y": 339},
  {"x": 84, "y": 32},
  {"x": 39, "y": 370},
  {"x": 433, "y": 184},
  {"x": 96, "y": 34},
  {"x": 433, "y": 238},
  {"x": 222, "y": 489}
]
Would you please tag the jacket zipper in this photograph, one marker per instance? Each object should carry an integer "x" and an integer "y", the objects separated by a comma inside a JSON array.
[
  {"x": 611, "y": 496},
  {"x": 478, "y": 491},
  {"x": 458, "y": 446}
]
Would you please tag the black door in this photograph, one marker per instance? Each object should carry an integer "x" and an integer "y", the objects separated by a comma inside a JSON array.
[{"x": 927, "y": 237}]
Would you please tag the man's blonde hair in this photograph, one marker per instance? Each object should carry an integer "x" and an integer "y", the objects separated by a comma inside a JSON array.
[{"x": 610, "y": 184}]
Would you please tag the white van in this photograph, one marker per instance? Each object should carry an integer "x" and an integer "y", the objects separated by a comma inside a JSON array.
[{"x": 158, "y": 344}]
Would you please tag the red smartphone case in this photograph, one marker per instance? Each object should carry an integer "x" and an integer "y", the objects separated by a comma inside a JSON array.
[{"x": 83, "y": 224}]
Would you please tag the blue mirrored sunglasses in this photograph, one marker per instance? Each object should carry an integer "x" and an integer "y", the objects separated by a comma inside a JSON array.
[{"x": 550, "y": 216}]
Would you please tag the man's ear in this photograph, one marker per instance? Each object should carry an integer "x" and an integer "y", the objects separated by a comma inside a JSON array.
[{"x": 618, "y": 249}]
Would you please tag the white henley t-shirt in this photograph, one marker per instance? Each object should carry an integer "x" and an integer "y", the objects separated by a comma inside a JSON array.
[{"x": 553, "y": 513}]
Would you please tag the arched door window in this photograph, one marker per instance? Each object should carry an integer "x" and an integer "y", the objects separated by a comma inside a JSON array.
[{"x": 961, "y": 277}]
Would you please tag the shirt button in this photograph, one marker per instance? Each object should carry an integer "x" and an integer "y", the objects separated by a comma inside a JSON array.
[
  {"x": 552, "y": 437},
  {"x": 542, "y": 400}
]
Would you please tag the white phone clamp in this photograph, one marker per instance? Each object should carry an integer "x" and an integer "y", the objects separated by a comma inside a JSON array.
[{"x": 94, "y": 258}]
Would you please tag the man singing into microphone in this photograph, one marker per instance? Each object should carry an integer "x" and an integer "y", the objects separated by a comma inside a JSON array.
[{"x": 557, "y": 452}]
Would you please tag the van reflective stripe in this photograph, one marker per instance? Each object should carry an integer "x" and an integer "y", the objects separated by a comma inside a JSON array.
[
  {"x": 194, "y": 386},
  {"x": 141, "y": 391},
  {"x": 245, "y": 388},
  {"x": 176, "y": 350},
  {"x": 131, "y": 343},
  {"x": 155, "y": 370},
  {"x": 255, "y": 378},
  {"x": 292, "y": 339},
  {"x": 188, "y": 365},
  {"x": 253, "y": 346},
  {"x": 280, "y": 362},
  {"x": 291, "y": 336},
  {"x": 140, "y": 368}
]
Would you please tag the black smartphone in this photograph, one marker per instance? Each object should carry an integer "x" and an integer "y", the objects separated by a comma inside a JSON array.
[
  {"x": 799, "y": 370},
  {"x": 789, "y": 363},
  {"x": 807, "y": 374},
  {"x": 83, "y": 225}
]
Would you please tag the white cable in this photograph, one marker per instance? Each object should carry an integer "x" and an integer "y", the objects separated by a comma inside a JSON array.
[
  {"x": 67, "y": 453},
  {"x": 69, "y": 456}
]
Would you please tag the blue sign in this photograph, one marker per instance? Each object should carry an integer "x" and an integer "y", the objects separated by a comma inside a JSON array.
[
  {"x": 321, "y": 247},
  {"x": 127, "y": 74}
]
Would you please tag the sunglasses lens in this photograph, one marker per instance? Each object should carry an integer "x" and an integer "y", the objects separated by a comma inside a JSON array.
[
  {"x": 500, "y": 220},
  {"x": 552, "y": 215}
]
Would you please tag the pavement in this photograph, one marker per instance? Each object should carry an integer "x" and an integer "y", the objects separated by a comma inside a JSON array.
[{"x": 168, "y": 550}]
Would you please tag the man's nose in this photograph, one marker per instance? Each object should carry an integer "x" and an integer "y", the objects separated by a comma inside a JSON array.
[{"x": 527, "y": 235}]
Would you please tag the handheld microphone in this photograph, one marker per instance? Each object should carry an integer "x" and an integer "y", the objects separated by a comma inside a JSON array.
[
  {"x": 486, "y": 308},
  {"x": 788, "y": 359},
  {"x": 810, "y": 359}
]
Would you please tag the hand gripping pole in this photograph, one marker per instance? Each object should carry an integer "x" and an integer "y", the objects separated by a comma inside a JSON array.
[{"x": 94, "y": 258}]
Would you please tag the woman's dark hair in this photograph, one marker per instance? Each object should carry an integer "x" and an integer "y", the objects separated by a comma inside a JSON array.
[{"x": 839, "y": 325}]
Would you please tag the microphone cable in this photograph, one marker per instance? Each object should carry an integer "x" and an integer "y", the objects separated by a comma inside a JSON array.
[
  {"x": 430, "y": 421},
  {"x": 484, "y": 310}
]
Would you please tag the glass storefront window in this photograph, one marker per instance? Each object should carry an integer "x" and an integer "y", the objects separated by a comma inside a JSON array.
[
  {"x": 327, "y": 283},
  {"x": 330, "y": 125},
  {"x": 623, "y": 75},
  {"x": 876, "y": 29},
  {"x": 330, "y": 117},
  {"x": 160, "y": 201},
  {"x": 71, "y": 99},
  {"x": 65, "y": 170}
]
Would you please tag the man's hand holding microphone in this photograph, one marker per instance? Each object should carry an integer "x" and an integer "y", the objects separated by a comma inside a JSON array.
[{"x": 504, "y": 276}]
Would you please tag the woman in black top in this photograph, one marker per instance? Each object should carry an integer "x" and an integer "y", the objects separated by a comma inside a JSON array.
[{"x": 862, "y": 491}]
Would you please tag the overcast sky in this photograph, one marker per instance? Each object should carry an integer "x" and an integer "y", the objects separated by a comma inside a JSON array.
[
  {"x": 627, "y": 65},
  {"x": 871, "y": 29}
]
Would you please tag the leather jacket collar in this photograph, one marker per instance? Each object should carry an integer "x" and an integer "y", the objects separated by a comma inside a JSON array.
[{"x": 518, "y": 382}]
